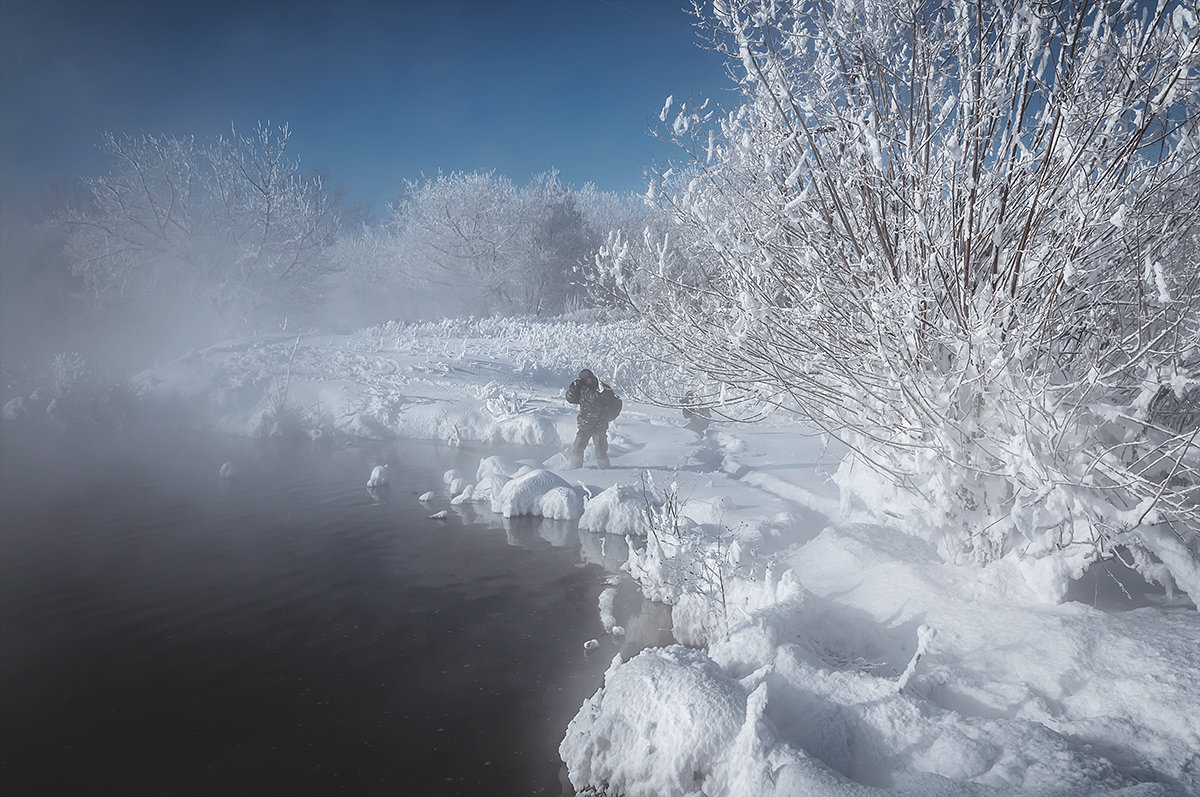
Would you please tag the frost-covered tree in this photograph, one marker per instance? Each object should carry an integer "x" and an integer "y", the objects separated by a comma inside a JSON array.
[
  {"x": 373, "y": 287},
  {"x": 558, "y": 241},
  {"x": 491, "y": 247},
  {"x": 961, "y": 237},
  {"x": 459, "y": 231},
  {"x": 231, "y": 225}
]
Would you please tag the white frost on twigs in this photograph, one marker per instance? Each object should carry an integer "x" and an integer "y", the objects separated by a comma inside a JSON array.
[{"x": 925, "y": 635}]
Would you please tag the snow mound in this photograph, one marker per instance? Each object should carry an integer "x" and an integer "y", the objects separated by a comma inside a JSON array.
[
  {"x": 656, "y": 726},
  {"x": 709, "y": 511},
  {"x": 526, "y": 430},
  {"x": 537, "y": 492},
  {"x": 671, "y": 723},
  {"x": 559, "y": 461},
  {"x": 621, "y": 509},
  {"x": 489, "y": 487},
  {"x": 496, "y": 465},
  {"x": 560, "y": 503}
]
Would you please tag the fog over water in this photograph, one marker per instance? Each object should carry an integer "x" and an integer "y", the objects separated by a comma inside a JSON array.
[{"x": 280, "y": 630}]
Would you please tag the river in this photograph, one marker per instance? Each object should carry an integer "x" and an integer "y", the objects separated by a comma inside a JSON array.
[{"x": 168, "y": 630}]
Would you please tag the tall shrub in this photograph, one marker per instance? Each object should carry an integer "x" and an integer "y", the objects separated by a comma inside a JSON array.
[{"x": 960, "y": 236}]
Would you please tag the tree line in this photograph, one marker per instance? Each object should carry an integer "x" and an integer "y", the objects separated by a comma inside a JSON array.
[{"x": 232, "y": 229}]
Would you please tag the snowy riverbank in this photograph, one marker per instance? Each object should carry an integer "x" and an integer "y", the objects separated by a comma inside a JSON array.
[{"x": 828, "y": 654}]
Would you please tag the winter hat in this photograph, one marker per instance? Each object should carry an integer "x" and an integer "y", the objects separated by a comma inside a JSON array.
[{"x": 588, "y": 375}]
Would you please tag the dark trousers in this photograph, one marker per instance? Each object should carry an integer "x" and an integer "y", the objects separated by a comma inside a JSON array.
[{"x": 599, "y": 437}]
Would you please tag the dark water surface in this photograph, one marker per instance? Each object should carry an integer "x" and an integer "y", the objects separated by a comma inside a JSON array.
[{"x": 167, "y": 631}]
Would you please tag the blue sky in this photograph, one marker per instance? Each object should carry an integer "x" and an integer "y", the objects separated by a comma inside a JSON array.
[{"x": 376, "y": 93}]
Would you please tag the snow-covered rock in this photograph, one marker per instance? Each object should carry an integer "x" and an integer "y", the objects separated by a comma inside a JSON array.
[
  {"x": 537, "y": 492},
  {"x": 379, "y": 476},
  {"x": 496, "y": 465},
  {"x": 561, "y": 503},
  {"x": 621, "y": 509},
  {"x": 488, "y": 488}
]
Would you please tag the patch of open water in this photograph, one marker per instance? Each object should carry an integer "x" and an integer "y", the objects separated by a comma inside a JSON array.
[{"x": 286, "y": 631}]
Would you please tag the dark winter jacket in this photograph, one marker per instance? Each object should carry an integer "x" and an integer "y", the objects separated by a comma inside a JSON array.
[{"x": 598, "y": 404}]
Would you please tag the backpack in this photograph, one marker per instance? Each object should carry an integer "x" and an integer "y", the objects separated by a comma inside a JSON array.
[{"x": 610, "y": 405}]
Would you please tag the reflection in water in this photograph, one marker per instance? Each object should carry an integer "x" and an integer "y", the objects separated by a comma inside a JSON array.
[
  {"x": 647, "y": 627},
  {"x": 610, "y": 551},
  {"x": 644, "y": 623}
]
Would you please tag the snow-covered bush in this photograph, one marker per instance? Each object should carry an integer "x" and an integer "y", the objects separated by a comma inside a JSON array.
[
  {"x": 683, "y": 563},
  {"x": 229, "y": 226},
  {"x": 73, "y": 392},
  {"x": 960, "y": 237}
]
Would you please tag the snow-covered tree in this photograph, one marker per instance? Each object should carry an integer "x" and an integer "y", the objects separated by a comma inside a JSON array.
[
  {"x": 558, "y": 241},
  {"x": 374, "y": 286},
  {"x": 490, "y": 246},
  {"x": 232, "y": 225},
  {"x": 458, "y": 231},
  {"x": 961, "y": 237}
]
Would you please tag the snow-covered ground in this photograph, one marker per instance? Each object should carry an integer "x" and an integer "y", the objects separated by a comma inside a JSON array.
[{"x": 821, "y": 652}]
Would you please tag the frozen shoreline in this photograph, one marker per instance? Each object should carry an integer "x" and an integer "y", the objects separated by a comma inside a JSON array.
[{"x": 804, "y": 616}]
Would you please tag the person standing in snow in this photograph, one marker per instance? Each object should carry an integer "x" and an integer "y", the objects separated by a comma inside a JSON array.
[{"x": 598, "y": 405}]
